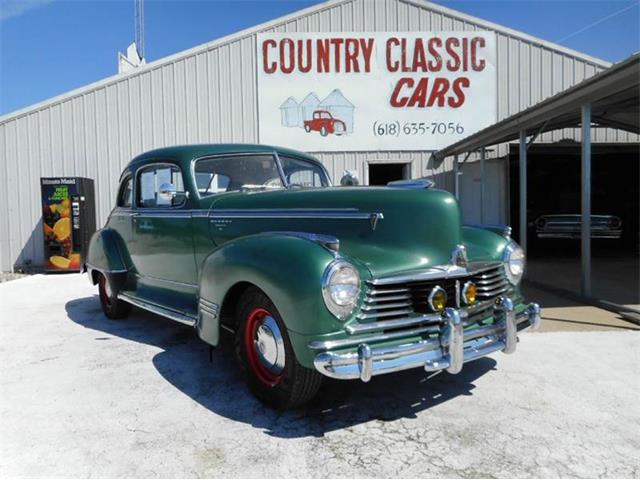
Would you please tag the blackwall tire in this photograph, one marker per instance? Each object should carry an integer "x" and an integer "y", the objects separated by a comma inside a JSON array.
[
  {"x": 286, "y": 386},
  {"x": 112, "y": 307},
  {"x": 323, "y": 131},
  {"x": 307, "y": 128}
]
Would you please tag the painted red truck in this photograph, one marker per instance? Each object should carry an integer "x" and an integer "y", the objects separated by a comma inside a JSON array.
[{"x": 324, "y": 123}]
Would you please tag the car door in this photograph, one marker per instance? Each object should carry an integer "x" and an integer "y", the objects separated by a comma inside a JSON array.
[
  {"x": 162, "y": 239},
  {"x": 120, "y": 218}
]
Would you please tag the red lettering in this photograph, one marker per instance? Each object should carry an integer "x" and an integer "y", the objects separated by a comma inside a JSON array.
[
  {"x": 337, "y": 43},
  {"x": 476, "y": 42},
  {"x": 367, "y": 48},
  {"x": 323, "y": 55},
  {"x": 290, "y": 56},
  {"x": 434, "y": 43},
  {"x": 351, "y": 51},
  {"x": 396, "y": 101},
  {"x": 465, "y": 54},
  {"x": 438, "y": 90},
  {"x": 458, "y": 85},
  {"x": 419, "y": 96},
  {"x": 392, "y": 67},
  {"x": 266, "y": 66},
  {"x": 453, "y": 64},
  {"x": 419, "y": 57},
  {"x": 304, "y": 68}
]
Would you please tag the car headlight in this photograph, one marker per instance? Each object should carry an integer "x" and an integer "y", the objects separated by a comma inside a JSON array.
[
  {"x": 340, "y": 288},
  {"x": 514, "y": 260}
]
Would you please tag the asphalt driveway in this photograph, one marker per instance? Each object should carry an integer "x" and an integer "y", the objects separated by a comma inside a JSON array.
[{"x": 81, "y": 395}]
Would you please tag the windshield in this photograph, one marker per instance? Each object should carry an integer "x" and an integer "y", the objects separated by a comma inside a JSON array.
[
  {"x": 255, "y": 172},
  {"x": 235, "y": 173}
]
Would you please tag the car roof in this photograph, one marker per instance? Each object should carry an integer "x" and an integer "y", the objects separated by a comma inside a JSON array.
[{"x": 184, "y": 154}]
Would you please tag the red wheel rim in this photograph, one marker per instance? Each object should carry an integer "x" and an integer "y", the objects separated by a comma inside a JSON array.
[
  {"x": 104, "y": 297},
  {"x": 254, "y": 321}
]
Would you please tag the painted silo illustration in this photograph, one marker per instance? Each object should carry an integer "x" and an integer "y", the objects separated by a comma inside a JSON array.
[
  {"x": 306, "y": 108},
  {"x": 339, "y": 107},
  {"x": 289, "y": 113}
]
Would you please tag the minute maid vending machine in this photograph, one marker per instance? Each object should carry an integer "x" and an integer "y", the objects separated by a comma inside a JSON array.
[{"x": 69, "y": 220}]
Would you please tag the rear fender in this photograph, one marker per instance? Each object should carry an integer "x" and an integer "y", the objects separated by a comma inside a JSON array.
[{"x": 106, "y": 255}]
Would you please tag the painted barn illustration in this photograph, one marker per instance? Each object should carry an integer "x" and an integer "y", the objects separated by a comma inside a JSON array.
[{"x": 332, "y": 115}]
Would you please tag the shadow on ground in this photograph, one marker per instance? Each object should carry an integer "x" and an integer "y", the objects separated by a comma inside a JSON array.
[{"x": 219, "y": 387}]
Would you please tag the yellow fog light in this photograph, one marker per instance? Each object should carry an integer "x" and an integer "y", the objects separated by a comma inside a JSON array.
[
  {"x": 438, "y": 299},
  {"x": 469, "y": 292}
]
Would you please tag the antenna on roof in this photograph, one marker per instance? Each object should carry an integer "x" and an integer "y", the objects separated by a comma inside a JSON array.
[
  {"x": 139, "y": 19},
  {"x": 135, "y": 52}
]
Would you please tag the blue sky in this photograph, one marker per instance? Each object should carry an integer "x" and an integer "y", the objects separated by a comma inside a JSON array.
[{"x": 48, "y": 47}]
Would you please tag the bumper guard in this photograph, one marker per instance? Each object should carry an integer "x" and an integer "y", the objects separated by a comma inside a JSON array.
[{"x": 449, "y": 351}]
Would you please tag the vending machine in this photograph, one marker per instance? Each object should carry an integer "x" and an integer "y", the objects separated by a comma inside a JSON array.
[{"x": 68, "y": 220}]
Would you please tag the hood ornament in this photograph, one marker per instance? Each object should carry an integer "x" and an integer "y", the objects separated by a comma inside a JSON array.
[{"x": 459, "y": 256}]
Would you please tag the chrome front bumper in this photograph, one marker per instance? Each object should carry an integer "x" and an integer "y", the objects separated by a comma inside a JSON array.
[{"x": 449, "y": 351}]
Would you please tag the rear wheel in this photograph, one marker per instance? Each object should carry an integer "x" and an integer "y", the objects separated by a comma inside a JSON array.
[
  {"x": 323, "y": 131},
  {"x": 112, "y": 306},
  {"x": 265, "y": 354}
]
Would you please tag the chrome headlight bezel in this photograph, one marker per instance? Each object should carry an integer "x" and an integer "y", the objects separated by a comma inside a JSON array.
[
  {"x": 514, "y": 259},
  {"x": 338, "y": 309}
]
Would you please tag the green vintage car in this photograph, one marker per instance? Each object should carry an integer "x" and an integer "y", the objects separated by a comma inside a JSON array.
[{"x": 312, "y": 280}]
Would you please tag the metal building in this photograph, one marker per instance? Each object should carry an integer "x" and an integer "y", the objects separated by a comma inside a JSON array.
[{"x": 209, "y": 94}]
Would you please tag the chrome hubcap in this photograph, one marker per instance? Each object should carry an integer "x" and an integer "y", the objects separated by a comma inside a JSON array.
[{"x": 270, "y": 345}]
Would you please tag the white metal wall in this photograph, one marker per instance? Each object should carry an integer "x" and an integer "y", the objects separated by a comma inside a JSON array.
[{"x": 208, "y": 94}]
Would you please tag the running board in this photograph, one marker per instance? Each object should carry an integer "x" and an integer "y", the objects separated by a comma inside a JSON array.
[{"x": 163, "y": 312}]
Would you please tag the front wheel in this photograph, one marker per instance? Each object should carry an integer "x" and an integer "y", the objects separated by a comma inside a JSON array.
[
  {"x": 307, "y": 128},
  {"x": 112, "y": 306},
  {"x": 323, "y": 131},
  {"x": 265, "y": 354}
]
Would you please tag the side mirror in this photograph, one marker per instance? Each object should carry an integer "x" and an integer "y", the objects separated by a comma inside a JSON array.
[
  {"x": 349, "y": 179},
  {"x": 168, "y": 195}
]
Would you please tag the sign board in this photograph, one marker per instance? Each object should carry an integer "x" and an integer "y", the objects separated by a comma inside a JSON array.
[{"x": 374, "y": 91}]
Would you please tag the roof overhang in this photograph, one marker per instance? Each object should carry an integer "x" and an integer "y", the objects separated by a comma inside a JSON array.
[{"x": 613, "y": 95}]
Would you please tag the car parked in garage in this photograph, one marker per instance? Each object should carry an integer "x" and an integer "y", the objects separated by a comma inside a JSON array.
[
  {"x": 570, "y": 226},
  {"x": 314, "y": 281}
]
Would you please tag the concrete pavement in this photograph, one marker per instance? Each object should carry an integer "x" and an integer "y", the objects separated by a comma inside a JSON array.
[{"x": 81, "y": 395}]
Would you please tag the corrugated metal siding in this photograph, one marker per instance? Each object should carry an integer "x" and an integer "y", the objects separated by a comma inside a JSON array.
[{"x": 209, "y": 94}]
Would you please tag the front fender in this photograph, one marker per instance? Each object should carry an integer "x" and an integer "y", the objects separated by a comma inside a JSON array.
[
  {"x": 288, "y": 269},
  {"x": 484, "y": 243}
]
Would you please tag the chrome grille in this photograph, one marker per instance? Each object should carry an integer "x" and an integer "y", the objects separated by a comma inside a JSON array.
[
  {"x": 404, "y": 304},
  {"x": 490, "y": 283}
]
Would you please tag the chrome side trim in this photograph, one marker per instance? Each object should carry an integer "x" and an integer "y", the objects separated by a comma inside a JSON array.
[
  {"x": 328, "y": 241},
  {"x": 164, "y": 280},
  {"x": 330, "y": 213},
  {"x": 158, "y": 310},
  {"x": 93, "y": 267}
]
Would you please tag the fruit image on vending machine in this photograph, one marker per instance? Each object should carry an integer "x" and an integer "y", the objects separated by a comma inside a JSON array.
[{"x": 68, "y": 221}]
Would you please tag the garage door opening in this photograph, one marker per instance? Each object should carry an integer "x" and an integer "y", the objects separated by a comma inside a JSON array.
[
  {"x": 553, "y": 216},
  {"x": 383, "y": 173}
]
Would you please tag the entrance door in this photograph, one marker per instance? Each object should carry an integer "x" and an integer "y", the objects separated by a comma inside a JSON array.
[
  {"x": 383, "y": 173},
  {"x": 163, "y": 243}
]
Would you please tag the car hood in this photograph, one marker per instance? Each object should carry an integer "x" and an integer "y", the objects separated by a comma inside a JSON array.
[{"x": 386, "y": 229}]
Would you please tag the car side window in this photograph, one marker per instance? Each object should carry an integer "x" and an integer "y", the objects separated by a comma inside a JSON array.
[
  {"x": 125, "y": 194},
  {"x": 303, "y": 173},
  {"x": 154, "y": 182}
]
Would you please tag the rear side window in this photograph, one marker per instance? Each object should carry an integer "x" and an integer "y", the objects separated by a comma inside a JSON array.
[
  {"x": 150, "y": 181},
  {"x": 125, "y": 194}
]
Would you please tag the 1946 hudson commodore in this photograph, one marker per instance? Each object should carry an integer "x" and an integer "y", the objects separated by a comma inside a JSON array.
[{"x": 313, "y": 280}]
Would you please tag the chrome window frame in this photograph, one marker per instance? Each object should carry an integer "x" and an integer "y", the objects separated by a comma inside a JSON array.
[{"x": 138, "y": 171}]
